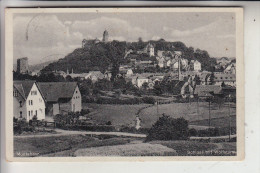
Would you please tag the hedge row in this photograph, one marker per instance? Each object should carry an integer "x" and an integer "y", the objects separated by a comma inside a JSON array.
[{"x": 212, "y": 132}]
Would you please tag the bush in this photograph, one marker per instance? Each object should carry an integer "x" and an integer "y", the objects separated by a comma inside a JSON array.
[
  {"x": 148, "y": 100},
  {"x": 22, "y": 126},
  {"x": 85, "y": 111},
  {"x": 109, "y": 123},
  {"x": 167, "y": 128},
  {"x": 193, "y": 132}
]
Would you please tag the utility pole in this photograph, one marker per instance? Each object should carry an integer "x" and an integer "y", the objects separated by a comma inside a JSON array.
[
  {"x": 229, "y": 117},
  {"x": 198, "y": 107},
  {"x": 157, "y": 106},
  {"x": 209, "y": 114}
]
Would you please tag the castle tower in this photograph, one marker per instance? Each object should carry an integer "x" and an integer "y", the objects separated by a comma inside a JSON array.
[
  {"x": 150, "y": 49},
  {"x": 22, "y": 65},
  {"x": 105, "y": 36}
]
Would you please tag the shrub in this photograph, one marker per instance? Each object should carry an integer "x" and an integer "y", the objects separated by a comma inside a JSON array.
[
  {"x": 193, "y": 132},
  {"x": 22, "y": 126},
  {"x": 85, "y": 111},
  {"x": 109, "y": 123},
  {"x": 167, "y": 128},
  {"x": 148, "y": 100}
]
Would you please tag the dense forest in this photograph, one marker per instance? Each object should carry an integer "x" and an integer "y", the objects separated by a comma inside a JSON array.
[{"x": 104, "y": 56}]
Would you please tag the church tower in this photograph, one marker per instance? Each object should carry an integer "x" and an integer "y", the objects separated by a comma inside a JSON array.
[{"x": 105, "y": 36}]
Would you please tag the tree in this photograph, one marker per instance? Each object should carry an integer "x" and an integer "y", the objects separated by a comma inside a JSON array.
[
  {"x": 212, "y": 79},
  {"x": 167, "y": 128},
  {"x": 145, "y": 85},
  {"x": 157, "y": 88},
  {"x": 197, "y": 80}
]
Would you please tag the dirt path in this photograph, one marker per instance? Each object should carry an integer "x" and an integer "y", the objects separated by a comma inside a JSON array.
[{"x": 61, "y": 132}]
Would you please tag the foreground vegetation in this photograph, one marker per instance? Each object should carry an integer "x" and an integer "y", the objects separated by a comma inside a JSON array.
[
  {"x": 107, "y": 145},
  {"x": 50, "y": 145}
]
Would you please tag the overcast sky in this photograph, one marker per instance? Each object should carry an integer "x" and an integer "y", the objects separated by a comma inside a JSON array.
[{"x": 42, "y": 37}]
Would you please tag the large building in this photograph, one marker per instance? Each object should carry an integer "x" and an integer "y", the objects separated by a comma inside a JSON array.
[
  {"x": 22, "y": 65},
  {"x": 28, "y": 100},
  {"x": 61, "y": 97},
  {"x": 105, "y": 36}
]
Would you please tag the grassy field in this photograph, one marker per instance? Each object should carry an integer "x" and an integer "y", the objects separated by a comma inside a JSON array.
[
  {"x": 192, "y": 148},
  {"x": 108, "y": 145},
  {"x": 141, "y": 149},
  {"x": 62, "y": 145},
  {"x": 125, "y": 114},
  {"x": 117, "y": 114},
  {"x": 188, "y": 111}
]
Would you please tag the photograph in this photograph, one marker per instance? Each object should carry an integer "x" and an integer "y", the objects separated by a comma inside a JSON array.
[{"x": 142, "y": 83}]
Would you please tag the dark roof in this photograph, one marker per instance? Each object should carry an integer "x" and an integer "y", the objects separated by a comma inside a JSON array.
[
  {"x": 24, "y": 87},
  {"x": 53, "y": 91},
  {"x": 207, "y": 90}
]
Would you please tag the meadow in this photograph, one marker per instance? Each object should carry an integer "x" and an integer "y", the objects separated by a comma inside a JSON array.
[{"x": 197, "y": 114}]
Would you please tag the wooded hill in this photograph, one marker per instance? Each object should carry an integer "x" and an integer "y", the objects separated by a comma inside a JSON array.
[{"x": 104, "y": 56}]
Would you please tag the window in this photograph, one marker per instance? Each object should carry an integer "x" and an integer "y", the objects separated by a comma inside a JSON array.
[
  {"x": 76, "y": 91},
  {"x": 36, "y": 112},
  {"x": 15, "y": 93},
  {"x": 33, "y": 92},
  {"x": 30, "y": 102},
  {"x": 29, "y": 113},
  {"x": 20, "y": 103},
  {"x": 21, "y": 114}
]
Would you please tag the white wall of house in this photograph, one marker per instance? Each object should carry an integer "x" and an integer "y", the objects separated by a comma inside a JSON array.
[
  {"x": 197, "y": 66},
  {"x": 176, "y": 65},
  {"x": 76, "y": 104},
  {"x": 35, "y": 104},
  {"x": 140, "y": 82}
]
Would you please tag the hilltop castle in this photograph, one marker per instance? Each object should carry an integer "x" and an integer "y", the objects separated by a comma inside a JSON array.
[
  {"x": 105, "y": 36},
  {"x": 86, "y": 43}
]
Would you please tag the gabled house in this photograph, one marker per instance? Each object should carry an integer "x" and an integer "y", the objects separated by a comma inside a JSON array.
[
  {"x": 195, "y": 65},
  {"x": 28, "y": 101},
  {"x": 94, "y": 76},
  {"x": 231, "y": 68},
  {"x": 61, "y": 97}
]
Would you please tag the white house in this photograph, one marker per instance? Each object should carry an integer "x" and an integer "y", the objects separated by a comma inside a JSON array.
[
  {"x": 141, "y": 80},
  {"x": 61, "y": 97},
  {"x": 160, "y": 62},
  {"x": 231, "y": 68},
  {"x": 28, "y": 100},
  {"x": 95, "y": 76},
  {"x": 195, "y": 65}
]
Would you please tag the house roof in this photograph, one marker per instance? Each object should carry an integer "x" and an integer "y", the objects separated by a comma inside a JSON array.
[
  {"x": 207, "y": 90},
  {"x": 53, "y": 91},
  {"x": 225, "y": 77},
  {"x": 24, "y": 87}
]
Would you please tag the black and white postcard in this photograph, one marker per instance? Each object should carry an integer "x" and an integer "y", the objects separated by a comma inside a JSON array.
[{"x": 112, "y": 84}]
